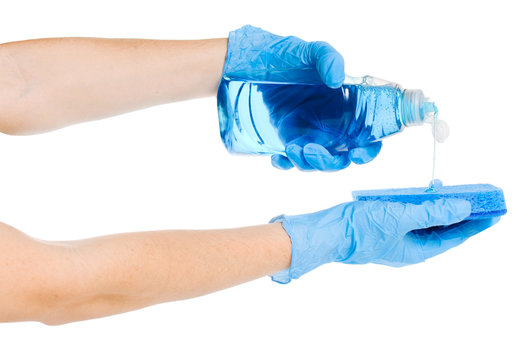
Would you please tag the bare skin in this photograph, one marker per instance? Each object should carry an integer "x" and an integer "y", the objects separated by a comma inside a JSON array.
[
  {"x": 61, "y": 282},
  {"x": 47, "y": 84}
]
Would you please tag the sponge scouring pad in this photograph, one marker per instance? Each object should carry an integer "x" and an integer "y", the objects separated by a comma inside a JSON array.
[{"x": 486, "y": 200}]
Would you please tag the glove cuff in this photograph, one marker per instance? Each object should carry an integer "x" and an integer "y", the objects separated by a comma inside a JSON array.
[
  {"x": 304, "y": 257},
  {"x": 284, "y": 276}
]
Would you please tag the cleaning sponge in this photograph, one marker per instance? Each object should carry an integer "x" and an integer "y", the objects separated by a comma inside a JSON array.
[{"x": 486, "y": 200}]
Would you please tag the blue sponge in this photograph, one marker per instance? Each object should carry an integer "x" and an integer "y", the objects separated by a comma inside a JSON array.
[{"x": 486, "y": 200}]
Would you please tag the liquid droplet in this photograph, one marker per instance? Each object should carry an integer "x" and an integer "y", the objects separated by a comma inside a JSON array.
[
  {"x": 434, "y": 186},
  {"x": 440, "y": 130}
]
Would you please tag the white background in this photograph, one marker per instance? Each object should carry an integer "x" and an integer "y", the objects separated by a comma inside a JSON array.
[{"x": 166, "y": 168}]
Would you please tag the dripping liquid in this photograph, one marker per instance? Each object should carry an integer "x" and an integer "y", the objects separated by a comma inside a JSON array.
[{"x": 432, "y": 187}]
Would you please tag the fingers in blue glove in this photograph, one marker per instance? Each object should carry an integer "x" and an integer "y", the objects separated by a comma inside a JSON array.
[
  {"x": 295, "y": 155},
  {"x": 436, "y": 241},
  {"x": 281, "y": 162},
  {"x": 437, "y": 226},
  {"x": 310, "y": 157},
  {"x": 321, "y": 159},
  {"x": 363, "y": 155},
  {"x": 328, "y": 62},
  {"x": 317, "y": 157},
  {"x": 441, "y": 212}
]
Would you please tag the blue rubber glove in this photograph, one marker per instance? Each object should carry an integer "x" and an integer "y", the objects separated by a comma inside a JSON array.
[
  {"x": 254, "y": 54},
  {"x": 387, "y": 233}
]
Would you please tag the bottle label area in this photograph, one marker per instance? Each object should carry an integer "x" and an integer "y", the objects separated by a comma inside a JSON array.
[{"x": 265, "y": 117}]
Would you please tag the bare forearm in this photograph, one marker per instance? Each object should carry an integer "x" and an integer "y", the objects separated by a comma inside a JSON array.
[
  {"x": 50, "y": 83},
  {"x": 118, "y": 273},
  {"x": 173, "y": 265}
]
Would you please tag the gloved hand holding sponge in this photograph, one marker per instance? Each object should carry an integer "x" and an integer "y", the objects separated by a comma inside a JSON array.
[{"x": 380, "y": 232}]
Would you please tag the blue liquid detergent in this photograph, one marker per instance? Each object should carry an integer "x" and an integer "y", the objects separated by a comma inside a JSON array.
[{"x": 263, "y": 117}]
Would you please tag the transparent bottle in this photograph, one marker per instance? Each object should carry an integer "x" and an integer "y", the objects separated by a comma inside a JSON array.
[{"x": 264, "y": 116}]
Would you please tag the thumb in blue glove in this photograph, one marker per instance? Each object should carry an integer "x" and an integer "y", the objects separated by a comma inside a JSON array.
[{"x": 388, "y": 233}]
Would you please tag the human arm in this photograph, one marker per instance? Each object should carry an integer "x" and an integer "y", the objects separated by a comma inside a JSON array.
[
  {"x": 47, "y": 84},
  {"x": 61, "y": 282}
]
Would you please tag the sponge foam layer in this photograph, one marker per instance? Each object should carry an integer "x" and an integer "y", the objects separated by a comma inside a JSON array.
[{"x": 486, "y": 200}]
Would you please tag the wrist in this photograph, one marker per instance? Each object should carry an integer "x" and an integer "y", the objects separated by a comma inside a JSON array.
[
  {"x": 215, "y": 57},
  {"x": 281, "y": 246}
]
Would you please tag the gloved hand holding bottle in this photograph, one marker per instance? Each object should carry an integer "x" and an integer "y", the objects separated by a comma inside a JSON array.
[
  {"x": 258, "y": 55},
  {"x": 388, "y": 233},
  {"x": 288, "y": 98}
]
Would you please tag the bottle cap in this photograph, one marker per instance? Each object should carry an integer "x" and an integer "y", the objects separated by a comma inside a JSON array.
[{"x": 416, "y": 108}]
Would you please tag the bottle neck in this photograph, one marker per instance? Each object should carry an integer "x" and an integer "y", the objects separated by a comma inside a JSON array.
[{"x": 416, "y": 108}]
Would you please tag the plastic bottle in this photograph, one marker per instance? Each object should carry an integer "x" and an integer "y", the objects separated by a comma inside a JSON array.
[{"x": 262, "y": 117}]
